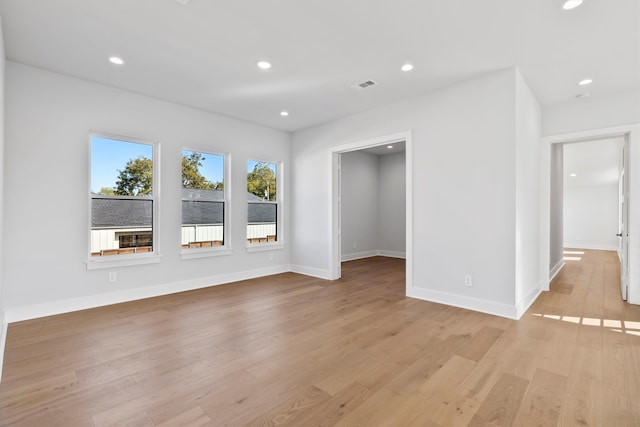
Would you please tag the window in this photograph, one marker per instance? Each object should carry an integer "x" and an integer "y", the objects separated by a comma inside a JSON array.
[
  {"x": 263, "y": 210},
  {"x": 123, "y": 198},
  {"x": 203, "y": 200}
]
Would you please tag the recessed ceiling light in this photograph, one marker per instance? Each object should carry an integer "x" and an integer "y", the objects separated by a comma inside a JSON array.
[
  {"x": 116, "y": 60},
  {"x": 583, "y": 95},
  {"x": 264, "y": 65},
  {"x": 389, "y": 146},
  {"x": 407, "y": 67},
  {"x": 585, "y": 82},
  {"x": 284, "y": 113},
  {"x": 571, "y": 4},
  {"x": 572, "y": 175}
]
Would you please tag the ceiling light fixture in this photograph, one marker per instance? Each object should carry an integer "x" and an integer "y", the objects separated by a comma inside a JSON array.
[
  {"x": 585, "y": 82},
  {"x": 264, "y": 65},
  {"x": 571, "y": 4},
  {"x": 389, "y": 146},
  {"x": 284, "y": 113},
  {"x": 116, "y": 60},
  {"x": 572, "y": 175},
  {"x": 407, "y": 67}
]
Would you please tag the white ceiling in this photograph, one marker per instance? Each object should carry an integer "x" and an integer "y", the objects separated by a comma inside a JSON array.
[
  {"x": 203, "y": 54},
  {"x": 593, "y": 162}
]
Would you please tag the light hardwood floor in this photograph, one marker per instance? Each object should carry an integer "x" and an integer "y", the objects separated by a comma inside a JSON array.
[{"x": 294, "y": 350}]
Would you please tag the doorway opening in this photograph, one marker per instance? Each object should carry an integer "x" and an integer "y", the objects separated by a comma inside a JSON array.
[
  {"x": 594, "y": 199},
  {"x": 365, "y": 162},
  {"x": 552, "y": 240}
]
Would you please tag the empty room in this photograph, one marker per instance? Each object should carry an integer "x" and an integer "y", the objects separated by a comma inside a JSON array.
[{"x": 319, "y": 213}]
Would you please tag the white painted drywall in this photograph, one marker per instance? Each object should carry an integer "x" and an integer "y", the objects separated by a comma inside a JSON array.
[
  {"x": 464, "y": 198},
  {"x": 556, "y": 235},
  {"x": 601, "y": 117},
  {"x": 591, "y": 217},
  {"x": 527, "y": 158},
  {"x": 2, "y": 172},
  {"x": 48, "y": 120},
  {"x": 591, "y": 113},
  {"x": 392, "y": 205},
  {"x": 373, "y": 205},
  {"x": 359, "y": 193}
]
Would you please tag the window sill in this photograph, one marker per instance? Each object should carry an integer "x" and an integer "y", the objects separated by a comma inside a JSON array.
[
  {"x": 197, "y": 253},
  {"x": 115, "y": 261},
  {"x": 258, "y": 247}
]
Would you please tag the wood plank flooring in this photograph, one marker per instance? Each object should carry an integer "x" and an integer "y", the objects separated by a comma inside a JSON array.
[{"x": 294, "y": 350}]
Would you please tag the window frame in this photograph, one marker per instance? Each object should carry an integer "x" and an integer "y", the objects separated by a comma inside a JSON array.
[
  {"x": 280, "y": 243},
  {"x": 213, "y": 251},
  {"x": 125, "y": 260}
]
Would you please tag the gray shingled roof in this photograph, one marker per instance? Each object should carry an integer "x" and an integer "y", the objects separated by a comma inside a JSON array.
[
  {"x": 198, "y": 207},
  {"x": 201, "y": 207},
  {"x": 111, "y": 212}
]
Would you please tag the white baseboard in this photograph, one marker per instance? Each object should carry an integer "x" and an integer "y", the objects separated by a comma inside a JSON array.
[
  {"x": 309, "y": 271},
  {"x": 526, "y": 302},
  {"x": 35, "y": 311},
  {"x": 369, "y": 254},
  {"x": 592, "y": 246},
  {"x": 556, "y": 269},
  {"x": 393, "y": 254},
  {"x": 475, "y": 304},
  {"x": 358, "y": 255}
]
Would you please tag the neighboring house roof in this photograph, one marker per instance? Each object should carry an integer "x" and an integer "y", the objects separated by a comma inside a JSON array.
[
  {"x": 111, "y": 212},
  {"x": 200, "y": 212},
  {"x": 202, "y": 195},
  {"x": 199, "y": 207},
  {"x": 261, "y": 212}
]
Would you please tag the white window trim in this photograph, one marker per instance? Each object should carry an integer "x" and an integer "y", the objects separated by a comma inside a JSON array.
[
  {"x": 265, "y": 246},
  {"x": 280, "y": 200},
  {"x": 126, "y": 260},
  {"x": 224, "y": 250}
]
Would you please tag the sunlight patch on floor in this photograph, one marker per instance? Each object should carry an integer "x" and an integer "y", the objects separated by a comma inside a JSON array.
[
  {"x": 571, "y": 255},
  {"x": 622, "y": 326}
]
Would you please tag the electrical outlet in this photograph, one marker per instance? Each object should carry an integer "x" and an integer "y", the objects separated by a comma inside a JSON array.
[
  {"x": 270, "y": 256},
  {"x": 355, "y": 245},
  {"x": 468, "y": 281},
  {"x": 113, "y": 276}
]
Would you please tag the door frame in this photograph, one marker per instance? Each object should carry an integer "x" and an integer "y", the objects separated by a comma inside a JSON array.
[
  {"x": 335, "y": 249},
  {"x": 632, "y": 133}
]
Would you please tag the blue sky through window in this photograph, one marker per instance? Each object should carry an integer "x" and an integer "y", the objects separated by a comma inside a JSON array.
[
  {"x": 108, "y": 156},
  {"x": 212, "y": 166},
  {"x": 252, "y": 163}
]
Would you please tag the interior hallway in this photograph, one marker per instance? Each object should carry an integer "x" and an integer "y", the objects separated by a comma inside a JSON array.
[{"x": 294, "y": 350}]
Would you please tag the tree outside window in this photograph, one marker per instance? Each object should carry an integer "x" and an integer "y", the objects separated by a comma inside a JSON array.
[{"x": 262, "y": 202}]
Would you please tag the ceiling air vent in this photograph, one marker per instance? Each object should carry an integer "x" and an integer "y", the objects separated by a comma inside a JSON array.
[{"x": 366, "y": 84}]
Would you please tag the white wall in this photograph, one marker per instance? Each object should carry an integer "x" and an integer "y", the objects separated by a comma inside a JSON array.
[
  {"x": 591, "y": 113},
  {"x": 591, "y": 217},
  {"x": 49, "y": 117},
  {"x": 528, "y": 116},
  {"x": 596, "y": 118},
  {"x": 464, "y": 199},
  {"x": 359, "y": 204},
  {"x": 373, "y": 205},
  {"x": 392, "y": 205},
  {"x": 2, "y": 172},
  {"x": 602, "y": 118}
]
